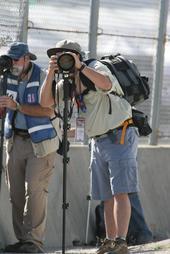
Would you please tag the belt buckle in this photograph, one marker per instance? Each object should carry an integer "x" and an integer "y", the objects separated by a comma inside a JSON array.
[{"x": 22, "y": 134}]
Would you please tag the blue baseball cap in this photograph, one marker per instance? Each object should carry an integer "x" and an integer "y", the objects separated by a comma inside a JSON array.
[{"x": 19, "y": 49}]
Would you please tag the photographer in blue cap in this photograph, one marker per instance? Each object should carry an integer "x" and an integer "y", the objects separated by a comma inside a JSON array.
[{"x": 31, "y": 144}]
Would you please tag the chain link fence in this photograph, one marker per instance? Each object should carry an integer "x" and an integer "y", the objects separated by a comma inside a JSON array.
[{"x": 127, "y": 27}]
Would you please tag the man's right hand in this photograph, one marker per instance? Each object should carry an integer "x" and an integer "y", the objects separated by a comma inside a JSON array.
[
  {"x": 7, "y": 102},
  {"x": 2, "y": 112},
  {"x": 53, "y": 67}
]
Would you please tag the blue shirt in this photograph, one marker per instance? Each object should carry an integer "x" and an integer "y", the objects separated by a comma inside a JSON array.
[{"x": 20, "y": 122}]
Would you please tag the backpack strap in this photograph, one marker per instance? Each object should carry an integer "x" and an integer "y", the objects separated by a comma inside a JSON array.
[
  {"x": 90, "y": 85},
  {"x": 85, "y": 80}
]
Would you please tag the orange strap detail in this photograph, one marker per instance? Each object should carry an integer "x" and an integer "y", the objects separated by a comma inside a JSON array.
[{"x": 125, "y": 125}]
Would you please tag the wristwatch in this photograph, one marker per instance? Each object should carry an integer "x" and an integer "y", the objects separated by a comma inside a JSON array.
[
  {"x": 17, "y": 106},
  {"x": 82, "y": 67}
]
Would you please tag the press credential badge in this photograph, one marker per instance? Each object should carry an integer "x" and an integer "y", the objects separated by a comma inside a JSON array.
[{"x": 80, "y": 129}]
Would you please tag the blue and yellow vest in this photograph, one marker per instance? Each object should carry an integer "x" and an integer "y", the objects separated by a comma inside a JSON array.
[{"x": 39, "y": 128}]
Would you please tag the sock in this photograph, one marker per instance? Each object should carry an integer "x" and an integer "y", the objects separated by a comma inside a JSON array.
[
  {"x": 121, "y": 238},
  {"x": 109, "y": 238}
]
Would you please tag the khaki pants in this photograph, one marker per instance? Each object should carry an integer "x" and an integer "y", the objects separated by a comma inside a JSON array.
[{"x": 28, "y": 179}]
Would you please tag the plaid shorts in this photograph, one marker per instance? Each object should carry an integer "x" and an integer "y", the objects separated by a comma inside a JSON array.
[{"x": 114, "y": 166}]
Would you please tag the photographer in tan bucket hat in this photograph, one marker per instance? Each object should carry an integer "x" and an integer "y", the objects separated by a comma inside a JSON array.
[
  {"x": 104, "y": 110},
  {"x": 66, "y": 45}
]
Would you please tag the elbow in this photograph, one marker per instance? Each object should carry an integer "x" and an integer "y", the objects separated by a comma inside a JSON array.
[
  {"x": 108, "y": 84},
  {"x": 43, "y": 103},
  {"x": 46, "y": 103},
  {"x": 49, "y": 112},
  {"x": 108, "y": 87}
]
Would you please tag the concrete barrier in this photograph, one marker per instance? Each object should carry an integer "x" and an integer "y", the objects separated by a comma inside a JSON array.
[{"x": 154, "y": 169}]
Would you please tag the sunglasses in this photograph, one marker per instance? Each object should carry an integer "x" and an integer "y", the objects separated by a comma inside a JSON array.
[{"x": 17, "y": 59}]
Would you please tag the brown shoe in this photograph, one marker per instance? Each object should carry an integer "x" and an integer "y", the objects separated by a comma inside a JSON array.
[
  {"x": 106, "y": 246},
  {"x": 120, "y": 247},
  {"x": 12, "y": 247},
  {"x": 29, "y": 247}
]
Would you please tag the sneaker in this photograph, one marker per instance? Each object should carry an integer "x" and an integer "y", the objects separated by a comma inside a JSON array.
[
  {"x": 107, "y": 245},
  {"x": 29, "y": 247},
  {"x": 120, "y": 247},
  {"x": 12, "y": 247}
]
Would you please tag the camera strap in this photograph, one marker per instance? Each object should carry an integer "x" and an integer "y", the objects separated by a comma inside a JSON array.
[{"x": 80, "y": 97}]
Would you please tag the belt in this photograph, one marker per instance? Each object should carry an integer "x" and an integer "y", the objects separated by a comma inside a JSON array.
[
  {"x": 127, "y": 123},
  {"x": 21, "y": 133}
]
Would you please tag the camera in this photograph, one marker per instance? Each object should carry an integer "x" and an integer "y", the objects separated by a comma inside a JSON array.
[
  {"x": 140, "y": 120},
  {"x": 5, "y": 64},
  {"x": 66, "y": 62}
]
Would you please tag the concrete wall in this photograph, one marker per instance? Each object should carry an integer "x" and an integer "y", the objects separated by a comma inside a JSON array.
[{"x": 155, "y": 195}]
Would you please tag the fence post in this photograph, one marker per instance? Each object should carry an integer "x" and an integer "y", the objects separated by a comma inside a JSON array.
[
  {"x": 24, "y": 9},
  {"x": 158, "y": 72},
  {"x": 93, "y": 27}
]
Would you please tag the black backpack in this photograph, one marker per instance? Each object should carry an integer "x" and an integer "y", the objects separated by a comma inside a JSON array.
[{"x": 135, "y": 87}]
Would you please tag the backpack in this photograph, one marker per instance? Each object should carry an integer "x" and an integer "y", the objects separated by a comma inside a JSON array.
[{"x": 135, "y": 87}]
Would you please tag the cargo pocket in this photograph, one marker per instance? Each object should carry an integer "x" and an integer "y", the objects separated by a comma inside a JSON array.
[{"x": 129, "y": 174}]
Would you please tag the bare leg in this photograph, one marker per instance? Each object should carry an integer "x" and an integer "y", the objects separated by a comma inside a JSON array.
[
  {"x": 122, "y": 212},
  {"x": 109, "y": 219},
  {"x": 117, "y": 213}
]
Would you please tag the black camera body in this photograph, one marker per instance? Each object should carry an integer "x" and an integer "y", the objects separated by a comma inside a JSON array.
[
  {"x": 140, "y": 120},
  {"x": 5, "y": 64}
]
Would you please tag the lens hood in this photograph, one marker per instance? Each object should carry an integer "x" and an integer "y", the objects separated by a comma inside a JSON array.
[{"x": 66, "y": 62}]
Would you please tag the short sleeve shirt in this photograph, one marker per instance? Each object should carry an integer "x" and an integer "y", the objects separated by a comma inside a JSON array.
[{"x": 98, "y": 119}]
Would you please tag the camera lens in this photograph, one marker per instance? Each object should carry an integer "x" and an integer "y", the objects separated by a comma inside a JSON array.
[
  {"x": 5, "y": 63},
  {"x": 66, "y": 62}
]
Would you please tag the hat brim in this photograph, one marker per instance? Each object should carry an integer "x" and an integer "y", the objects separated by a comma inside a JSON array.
[
  {"x": 14, "y": 56},
  {"x": 32, "y": 56},
  {"x": 54, "y": 51}
]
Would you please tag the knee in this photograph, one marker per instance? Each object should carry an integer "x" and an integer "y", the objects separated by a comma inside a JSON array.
[
  {"x": 121, "y": 197},
  {"x": 33, "y": 188}
]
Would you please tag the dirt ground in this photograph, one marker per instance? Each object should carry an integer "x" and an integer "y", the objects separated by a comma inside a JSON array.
[{"x": 160, "y": 247}]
